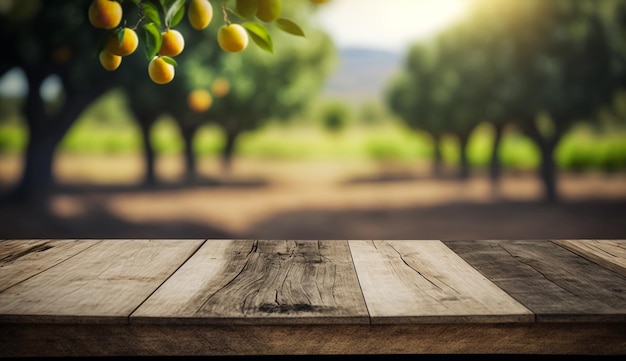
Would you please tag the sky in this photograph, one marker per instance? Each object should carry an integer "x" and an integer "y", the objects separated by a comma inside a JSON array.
[{"x": 386, "y": 24}]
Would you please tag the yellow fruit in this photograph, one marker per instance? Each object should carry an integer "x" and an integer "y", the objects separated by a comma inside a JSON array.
[
  {"x": 173, "y": 43},
  {"x": 105, "y": 14},
  {"x": 200, "y": 13},
  {"x": 199, "y": 100},
  {"x": 269, "y": 10},
  {"x": 110, "y": 61},
  {"x": 160, "y": 71},
  {"x": 247, "y": 8},
  {"x": 128, "y": 46},
  {"x": 220, "y": 87},
  {"x": 232, "y": 38}
]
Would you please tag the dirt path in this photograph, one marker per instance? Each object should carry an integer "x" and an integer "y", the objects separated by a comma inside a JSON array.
[{"x": 319, "y": 200}]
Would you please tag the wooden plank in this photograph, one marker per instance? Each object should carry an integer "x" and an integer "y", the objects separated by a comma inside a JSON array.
[
  {"x": 464, "y": 341},
  {"x": 105, "y": 283},
  {"x": 22, "y": 259},
  {"x": 260, "y": 282},
  {"x": 556, "y": 284},
  {"x": 607, "y": 253},
  {"x": 424, "y": 281}
]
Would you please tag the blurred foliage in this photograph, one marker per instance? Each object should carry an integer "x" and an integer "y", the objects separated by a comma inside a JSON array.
[
  {"x": 335, "y": 116},
  {"x": 582, "y": 149},
  {"x": 511, "y": 60},
  {"x": 542, "y": 66},
  {"x": 54, "y": 45},
  {"x": 536, "y": 68}
]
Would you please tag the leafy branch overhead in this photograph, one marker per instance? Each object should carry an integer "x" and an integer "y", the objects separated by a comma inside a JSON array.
[{"x": 156, "y": 20}]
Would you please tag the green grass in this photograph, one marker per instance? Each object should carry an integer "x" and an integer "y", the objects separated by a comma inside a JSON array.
[
  {"x": 580, "y": 150},
  {"x": 313, "y": 143},
  {"x": 94, "y": 138},
  {"x": 13, "y": 138},
  {"x": 586, "y": 150}
]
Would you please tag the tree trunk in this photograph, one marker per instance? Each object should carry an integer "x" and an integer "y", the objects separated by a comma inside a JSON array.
[
  {"x": 547, "y": 168},
  {"x": 37, "y": 178},
  {"x": 464, "y": 167},
  {"x": 189, "y": 154},
  {"x": 145, "y": 119},
  {"x": 148, "y": 153},
  {"x": 228, "y": 151},
  {"x": 495, "y": 166},
  {"x": 437, "y": 157},
  {"x": 548, "y": 173},
  {"x": 46, "y": 132}
]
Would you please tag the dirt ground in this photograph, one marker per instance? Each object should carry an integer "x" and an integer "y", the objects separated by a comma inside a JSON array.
[{"x": 100, "y": 197}]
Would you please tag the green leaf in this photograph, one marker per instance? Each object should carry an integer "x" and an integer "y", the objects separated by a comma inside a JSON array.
[
  {"x": 260, "y": 35},
  {"x": 171, "y": 9},
  {"x": 290, "y": 27},
  {"x": 169, "y": 60},
  {"x": 153, "y": 39},
  {"x": 120, "y": 36},
  {"x": 178, "y": 17},
  {"x": 151, "y": 12},
  {"x": 137, "y": 2},
  {"x": 166, "y": 3}
]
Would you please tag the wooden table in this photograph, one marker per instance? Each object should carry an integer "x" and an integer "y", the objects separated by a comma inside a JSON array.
[{"x": 269, "y": 297}]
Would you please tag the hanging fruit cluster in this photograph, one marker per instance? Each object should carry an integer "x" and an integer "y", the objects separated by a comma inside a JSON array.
[{"x": 162, "y": 42}]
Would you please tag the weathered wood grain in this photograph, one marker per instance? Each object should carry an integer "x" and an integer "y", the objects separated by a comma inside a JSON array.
[
  {"x": 268, "y": 282},
  {"x": 104, "y": 283},
  {"x": 424, "y": 281},
  {"x": 556, "y": 284},
  {"x": 458, "y": 341},
  {"x": 607, "y": 253},
  {"x": 22, "y": 259}
]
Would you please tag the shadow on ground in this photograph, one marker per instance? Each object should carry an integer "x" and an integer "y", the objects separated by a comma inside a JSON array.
[
  {"x": 37, "y": 221},
  {"x": 504, "y": 220},
  {"x": 309, "y": 205}
]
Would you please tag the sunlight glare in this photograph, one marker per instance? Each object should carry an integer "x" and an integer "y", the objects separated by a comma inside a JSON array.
[{"x": 389, "y": 25}]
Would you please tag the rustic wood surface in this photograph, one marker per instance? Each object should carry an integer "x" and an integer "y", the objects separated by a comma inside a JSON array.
[
  {"x": 416, "y": 341},
  {"x": 22, "y": 259},
  {"x": 556, "y": 284},
  {"x": 104, "y": 283},
  {"x": 408, "y": 281},
  {"x": 245, "y": 297},
  {"x": 252, "y": 282},
  {"x": 607, "y": 253}
]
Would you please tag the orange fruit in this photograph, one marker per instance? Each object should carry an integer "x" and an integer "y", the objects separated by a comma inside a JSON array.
[
  {"x": 109, "y": 61},
  {"x": 173, "y": 43},
  {"x": 105, "y": 14},
  {"x": 128, "y": 46},
  {"x": 200, "y": 13},
  {"x": 199, "y": 100},
  {"x": 269, "y": 10},
  {"x": 220, "y": 87},
  {"x": 160, "y": 71},
  {"x": 232, "y": 38}
]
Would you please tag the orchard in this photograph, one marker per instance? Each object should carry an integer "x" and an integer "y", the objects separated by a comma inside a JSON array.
[{"x": 154, "y": 25}]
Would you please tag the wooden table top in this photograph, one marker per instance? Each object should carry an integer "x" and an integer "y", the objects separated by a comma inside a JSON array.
[{"x": 288, "y": 282}]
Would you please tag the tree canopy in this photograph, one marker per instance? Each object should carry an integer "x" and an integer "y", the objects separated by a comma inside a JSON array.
[
  {"x": 541, "y": 65},
  {"x": 64, "y": 39}
]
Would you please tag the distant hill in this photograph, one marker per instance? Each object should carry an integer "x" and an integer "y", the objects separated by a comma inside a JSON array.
[{"x": 362, "y": 74}]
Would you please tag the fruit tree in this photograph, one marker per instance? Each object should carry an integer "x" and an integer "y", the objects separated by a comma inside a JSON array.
[
  {"x": 91, "y": 47},
  {"x": 156, "y": 21}
]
